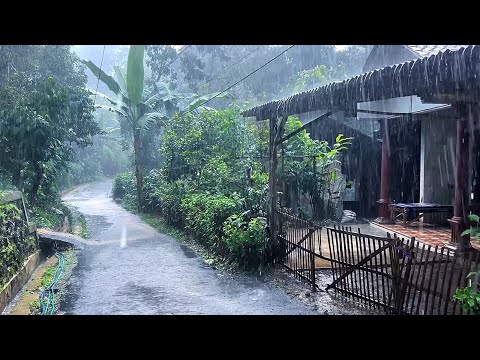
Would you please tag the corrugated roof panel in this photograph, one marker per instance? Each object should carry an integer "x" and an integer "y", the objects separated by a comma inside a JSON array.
[{"x": 428, "y": 50}]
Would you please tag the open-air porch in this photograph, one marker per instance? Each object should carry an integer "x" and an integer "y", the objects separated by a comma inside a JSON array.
[{"x": 432, "y": 161}]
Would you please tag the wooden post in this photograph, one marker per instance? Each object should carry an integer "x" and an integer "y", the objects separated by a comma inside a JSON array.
[
  {"x": 315, "y": 196},
  {"x": 460, "y": 210},
  {"x": 311, "y": 247},
  {"x": 284, "y": 188},
  {"x": 384, "y": 201},
  {"x": 276, "y": 132},
  {"x": 272, "y": 187}
]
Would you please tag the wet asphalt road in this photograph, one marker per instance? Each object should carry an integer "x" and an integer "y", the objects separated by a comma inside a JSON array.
[{"x": 153, "y": 273}]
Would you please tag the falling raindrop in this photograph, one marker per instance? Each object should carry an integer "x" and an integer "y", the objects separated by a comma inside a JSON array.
[{"x": 123, "y": 240}]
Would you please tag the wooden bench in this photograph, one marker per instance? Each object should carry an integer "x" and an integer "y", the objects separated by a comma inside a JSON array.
[{"x": 410, "y": 212}]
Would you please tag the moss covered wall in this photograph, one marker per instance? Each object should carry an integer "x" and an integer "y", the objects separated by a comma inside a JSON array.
[{"x": 16, "y": 242}]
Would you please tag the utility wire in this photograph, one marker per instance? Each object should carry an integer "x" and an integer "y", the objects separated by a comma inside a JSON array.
[
  {"x": 170, "y": 64},
  {"x": 180, "y": 53},
  {"x": 230, "y": 66},
  {"x": 98, "y": 78},
  {"x": 239, "y": 81}
]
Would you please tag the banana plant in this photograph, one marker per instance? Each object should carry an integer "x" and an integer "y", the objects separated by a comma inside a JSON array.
[
  {"x": 141, "y": 107},
  {"x": 130, "y": 103}
]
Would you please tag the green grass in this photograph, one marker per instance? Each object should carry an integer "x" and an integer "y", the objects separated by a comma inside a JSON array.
[
  {"x": 34, "y": 305},
  {"x": 46, "y": 219},
  {"x": 83, "y": 225},
  {"x": 130, "y": 205},
  {"x": 48, "y": 276},
  {"x": 160, "y": 225}
]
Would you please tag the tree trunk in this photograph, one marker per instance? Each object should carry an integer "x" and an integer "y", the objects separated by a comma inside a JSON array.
[
  {"x": 16, "y": 178},
  {"x": 36, "y": 183},
  {"x": 138, "y": 169}
]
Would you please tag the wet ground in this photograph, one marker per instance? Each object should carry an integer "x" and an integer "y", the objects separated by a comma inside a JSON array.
[
  {"x": 151, "y": 273},
  {"x": 127, "y": 267}
]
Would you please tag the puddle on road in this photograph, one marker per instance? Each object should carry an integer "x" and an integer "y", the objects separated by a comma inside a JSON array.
[
  {"x": 96, "y": 224},
  {"x": 189, "y": 253}
]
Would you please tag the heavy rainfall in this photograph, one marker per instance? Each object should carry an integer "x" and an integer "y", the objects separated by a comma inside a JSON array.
[{"x": 239, "y": 179}]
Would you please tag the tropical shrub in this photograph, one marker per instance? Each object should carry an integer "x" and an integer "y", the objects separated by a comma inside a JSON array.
[
  {"x": 170, "y": 197},
  {"x": 474, "y": 230},
  {"x": 469, "y": 297},
  {"x": 205, "y": 214},
  {"x": 124, "y": 189},
  {"x": 245, "y": 240}
]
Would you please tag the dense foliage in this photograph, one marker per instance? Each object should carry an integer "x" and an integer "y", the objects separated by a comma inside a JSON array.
[
  {"x": 45, "y": 112},
  {"x": 469, "y": 296},
  {"x": 163, "y": 112},
  {"x": 207, "y": 173},
  {"x": 15, "y": 242},
  {"x": 212, "y": 180},
  {"x": 311, "y": 170}
]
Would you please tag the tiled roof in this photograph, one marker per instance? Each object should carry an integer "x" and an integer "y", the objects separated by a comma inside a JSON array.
[{"x": 428, "y": 50}]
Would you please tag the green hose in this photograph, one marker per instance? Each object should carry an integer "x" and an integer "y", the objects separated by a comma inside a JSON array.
[{"x": 47, "y": 296}]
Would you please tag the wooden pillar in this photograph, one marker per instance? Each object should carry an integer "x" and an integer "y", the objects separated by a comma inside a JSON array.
[
  {"x": 384, "y": 201},
  {"x": 460, "y": 210},
  {"x": 272, "y": 186},
  {"x": 276, "y": 133}
]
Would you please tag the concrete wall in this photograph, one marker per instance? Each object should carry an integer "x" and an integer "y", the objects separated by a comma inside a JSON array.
[
  {"x": 437, "y": 163},
  {"x": 9, "y": 290}
]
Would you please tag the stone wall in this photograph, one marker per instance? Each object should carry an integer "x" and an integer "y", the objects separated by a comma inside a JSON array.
[{"x": 18, "y": 242}]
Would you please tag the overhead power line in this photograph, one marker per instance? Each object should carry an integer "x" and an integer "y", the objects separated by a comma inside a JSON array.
[
  {"x": 239, "y": 81},
  {"x": 230, "y": 66},
  {"x": 99, "y": 72}
]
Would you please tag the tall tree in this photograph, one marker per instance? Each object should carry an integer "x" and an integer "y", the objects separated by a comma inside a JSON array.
[{"x": 44, "y": 110}]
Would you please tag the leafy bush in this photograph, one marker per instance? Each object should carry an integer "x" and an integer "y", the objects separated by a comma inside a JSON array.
[
  {"x": 122, "y": 184},
  {"x": 205, "y": 214},
  {"x": 256, "y": 192},
  {"x": 316, "y": 173},
  {"x": 217, "y": 177},
  {"x": 474, "y": 230},
  {"x": 124, "y": 189},
  {"x": 469, "y": 297},
  {"x": 153, "y": 181},
  {"x": 245, "y": 240},
  {"x": 45, "y": 218}
]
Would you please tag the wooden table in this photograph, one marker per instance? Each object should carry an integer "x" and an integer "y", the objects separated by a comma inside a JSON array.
[{"x": 410, "y": 212}]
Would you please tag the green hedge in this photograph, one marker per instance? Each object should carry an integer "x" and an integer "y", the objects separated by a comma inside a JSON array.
[
  {"x": 210, "y": 218},
  {"x": 246, "y": 240},
  {"x": 205, "y": 213}
]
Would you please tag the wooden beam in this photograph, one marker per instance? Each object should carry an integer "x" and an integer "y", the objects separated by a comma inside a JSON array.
[
  {"x": 388, "y": 113},
  {"x": 293, "y": 133},
  {"x": 450, "y": 98}
]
